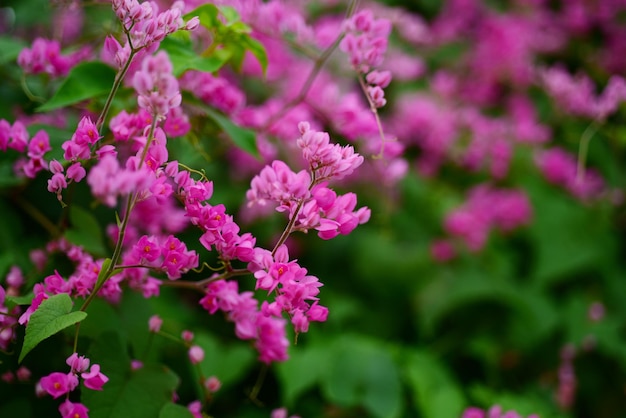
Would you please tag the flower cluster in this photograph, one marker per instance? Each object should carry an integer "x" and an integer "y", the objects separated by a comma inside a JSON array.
[
  {"x": 57, "y": 384},
  {"x": 305, "y": 195},
  {"x": 169, "y": 255},
  {"x": 560, "y": 168},
  {"x": 485, "y": 209},
  {"x": 14, "y": 281},
  {"x": 156, "y": 86},
  {"x": 44, "y": 56},
  {"x": 16, "y": 137},
  {"x": 493, "y": 412},
  {"x": 267, "y": 331},
  {"x": 576, "y": 94},
  {"x": 146, "y": 25},
  {"x": 365, "y": 42}
]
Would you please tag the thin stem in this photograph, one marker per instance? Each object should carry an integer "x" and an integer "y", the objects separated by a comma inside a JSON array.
[
  {"x": 116, "y": 85},
  {"x": 36, "y": 214},
  {"x": 31, "y": 96},
  {"x": 117, "y": 252},
  {"x": 317, "y": 67},
  {"x": 259, "y": 383},
  {"x": 289, "y": 227},
  {"x": 376, "y": 116},
  {"x": 201, "y": 284},
  {"x": 584, "y": 148}
]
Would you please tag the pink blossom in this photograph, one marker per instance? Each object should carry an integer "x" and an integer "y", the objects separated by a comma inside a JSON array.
[
  {"x": 23, "y": 374},
  {"x": 73, "y": 410},
  {"x": 212, "y": 384},
  {"x": 94, "y": 379},
  {"x": 58, "y": 384},
  {"x": 154, "y": 324},
  {"x": 40, "y": 296},
  {"x": 77, "y": 363},
  {"x": 196, "y": 354}
]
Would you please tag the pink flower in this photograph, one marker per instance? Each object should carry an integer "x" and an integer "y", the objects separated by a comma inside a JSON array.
[
  {"x": 78, "y": 363},
  {"x": 212, "y": 384},
  {"x": 196, "y": 354},
  {"x": 58, "y": 384},
  {"x": 73, "y": 410},
  {"x": 154, "y": 324},
  {"x": 94, "y": 379}
]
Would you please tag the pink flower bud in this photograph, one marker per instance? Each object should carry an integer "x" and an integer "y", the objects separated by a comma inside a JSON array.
[
  {"x": 212, "y": 384},
  {"x": 154, "y": 324},
  {"x": 196, "y": 354}
]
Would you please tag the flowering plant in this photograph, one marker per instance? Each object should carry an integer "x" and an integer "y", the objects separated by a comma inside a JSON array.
[{"x": 326, "y": 209}]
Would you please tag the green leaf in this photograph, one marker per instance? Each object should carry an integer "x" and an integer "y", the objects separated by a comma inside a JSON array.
[
  {"x": 10, "y": 48},
  {"x": 208, "y": 15},
  {"x": 231, "y": 15},
  {"x": 301, "y": 372},
  {"x": 228, "y": 362},
  {"x": 567, "y": 237},
  {"x": 103, "y": 271},
  {"x": 85, "y": 231},
  {"x": 363, "y": 373},
  {"x": 257, "y": 49},
  {"x": 433, "y": 388},
  {"x": 128, "y": 394},
  {"x": 184, "y": 58},
  {"x": 85, "y": 81},
  {"x": 172, "y": 410},
  {"x": 242, "y": 137},
  {"x": 12, "y": 301},
  {"x": 52, "y": 316}
]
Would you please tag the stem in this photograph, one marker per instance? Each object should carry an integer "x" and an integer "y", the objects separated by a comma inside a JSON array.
[
  {"x": 259, "y": 382},
  {"x": 117, "y": 252},
  {"x": 199, "y": 285},
  {"x": 38, "y": 216},
  {"x": 31, "y": 96},
  {"x": 317, "y": 67},
  {"x": 376, "y": 116},
  {"x": 289, "y": 227},
  {"x": 116, "y": 85},
  {"x": 584, "y": 147}
]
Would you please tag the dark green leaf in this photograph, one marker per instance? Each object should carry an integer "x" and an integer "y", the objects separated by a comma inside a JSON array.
[
  {"x": 86, "y": 81},
  {"x": 19, "y": 300},
  {"x": 360, "y": 372},
  {"x": 301, "y": 372},
  {"x": 433, "y": 388},
  {"x": 10, "y": 48},
  {"x": 227, "y": 363},
  {"x": 53, "y": 315},
  {"x": 85, "y": 231},
  {"x": 172, "y": 410},
  {"x": 128, "y": 394},
  {"x": 242, "y": 137}
]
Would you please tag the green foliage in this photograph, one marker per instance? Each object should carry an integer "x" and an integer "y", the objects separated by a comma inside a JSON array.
[
  {"x": 85, "y": 81},
  {"x": 183, "y": 57},
  {"x": 172, "y": 410},
  {"x": 232, "y": 35},
  {"x": 129, "y": 393},
  {"x": 434, "y": 389},
  {"x": 53, "y": 315},
  {"x": 244, "y": 139},
  {"x": 10, "y": 48},
  {"x": 362, "y": 372},
  {"x": 85, "y": 231},
  {"x": 228, "y": 361}
]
